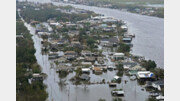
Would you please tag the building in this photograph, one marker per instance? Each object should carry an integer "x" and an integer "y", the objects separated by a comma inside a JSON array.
[
  {"x": 85, "y": 70},
  {"x": 86, "y": 63},
  {"x": 144, "y": 75},
  {"x": 159, "y": 85},
  {"x": 86, "y": 53},
  {"x": 124, "y": 27},
  {"x": 85, "y": 77},
  {"x": 97, "y": 70},
  {"x": 127, "y": 39},
  {"x": 70, "y": 55},
  {"x": 118, "y": 56}
]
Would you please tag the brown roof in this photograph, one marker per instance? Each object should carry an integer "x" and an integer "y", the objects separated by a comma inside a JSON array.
[{"x": 97, "y": 68}]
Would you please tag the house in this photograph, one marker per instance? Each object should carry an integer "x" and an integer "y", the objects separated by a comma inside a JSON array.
[
  {"x": 112, "y": 84},
  {"x": 159, "y": 85},
  {"x": 97, "y": 70},
  {"x": 73, "y": 33},
  {"x": 37, "y": 77},
  {"x": 62, "y": 59},
  {"x": 70, "y": 25},
  {"x": 110, "y": 20},
  {"x": 76, "y": 44},
  {"x": 111, "y": 67},
  {"x": 117, "y": 78},
  {"x": 127, "y": 39},
  {"x": 144, "y": 75},
  {"x": 53, "y": 56},
  {"x": 86, "y": 63},
  {"x": 19, "y": 36},
  {"x": 137, "y": 68},
  {"x": 104, "y": 67},
  {"x": 124, "y": 27},
  {"x": 100, "y": 60},
  {"x": 117, "y": 92},
  {"x": 126, "y": 67},
  {"x": 104, "y": 42},
  {"x": 148, "y": 84},
  {"x": 108, "y": 29},
  {"x": 118, "y": 56},
  {"x": 132, "y": 72},
  {"x": 85, "y": 77},
  {"x": 129, "y": 64},
  {"x": 89, "y": 59},
  {"x": 70, "y": 55},
  {"x": 113, "y": 41},
  {"x": 62, "y": 42},
  {"x": 80, "y": 58},
  {"x": 55, "y": 24},
  {"x": 86, "y": 53},
  {"x": 85, "y": 70},
  {"x": 160, "y": 97}
]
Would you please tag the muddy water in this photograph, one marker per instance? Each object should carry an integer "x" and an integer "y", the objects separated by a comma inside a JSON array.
[
  {"x": 149, "y": 31},
  {"x": 70, "y": 92},
  {"x": 52, "y": 79}
]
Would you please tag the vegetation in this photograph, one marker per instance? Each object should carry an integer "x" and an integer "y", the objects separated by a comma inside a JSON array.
[
  {"x": 63, "y": 73},
  {"x": 101, "y": 99},
  {"x": 49, "y": 11},
  {"x": 123, "y": 48},
  {"x": 159, "y": 73},
  {"x": 131, "y": 6},
  {"x": 151, "y": 99},
  {"x": 117, "y": 99},
  {"x": 26, "y": 61},
  {"x": 149, "y": 65}
]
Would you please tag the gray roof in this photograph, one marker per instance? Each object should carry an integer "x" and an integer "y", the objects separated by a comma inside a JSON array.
[
  {"x": 159, "y": 82},
  {"x": 85, "y": 77}
]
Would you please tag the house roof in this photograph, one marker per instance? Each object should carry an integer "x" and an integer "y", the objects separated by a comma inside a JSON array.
[
  {"x": 144, "y": 74},
  {"x": 159, "y": 82},
  {"x": 119, "y": 54},
  {"x": 97, "y": 68},
  {"x": 127, "y": 39},
  {"x": 85, "y": 69},
  {"x": 85, "y": 77}
]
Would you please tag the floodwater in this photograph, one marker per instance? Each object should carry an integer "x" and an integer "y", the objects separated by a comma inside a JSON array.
[
  {"x": 149, "y": 42},
  {"x": 149, "y": 31},
  {"x": 92, "y": 92}
]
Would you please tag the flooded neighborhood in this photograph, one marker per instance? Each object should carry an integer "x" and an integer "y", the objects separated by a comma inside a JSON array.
[{"x": 84, "y": 55}]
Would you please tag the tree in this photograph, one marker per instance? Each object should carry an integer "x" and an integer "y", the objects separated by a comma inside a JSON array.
[
  {"x": 117, "y": 99},
  {"x": 123, "y": 48},
  {"x": 101, "y": 99},
  {"x": 149, "y": 65}
]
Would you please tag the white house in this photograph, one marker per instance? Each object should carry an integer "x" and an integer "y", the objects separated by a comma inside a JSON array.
[
  {"x": 85, "y": 70},
  {"x": 144, "y": 74},
  {"x": 118, "y": 56}
]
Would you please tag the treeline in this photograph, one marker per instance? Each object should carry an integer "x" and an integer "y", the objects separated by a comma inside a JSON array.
[
  {"x": 26, "y": 65},
  {"x": 117, "y": 4},
  {"x": 49, "y": 11}
]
